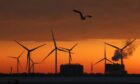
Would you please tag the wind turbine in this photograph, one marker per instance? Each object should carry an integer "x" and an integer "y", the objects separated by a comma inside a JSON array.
[
  {"x": 11, "y": 70},
  {"x": 70, "y": 53},
  {"x": 55, "y": 50},
  {"x": 121, "y": 49},
  {"x": 105, "y": 59},
  {"x": 18, "y": 61},
  {"x": 91, "y": 67},
  {"x": 33, "y": 65},
  {"x": 29, "y": 54}
]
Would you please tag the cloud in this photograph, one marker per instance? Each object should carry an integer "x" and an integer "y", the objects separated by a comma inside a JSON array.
[{"x": 33, "y": 19}]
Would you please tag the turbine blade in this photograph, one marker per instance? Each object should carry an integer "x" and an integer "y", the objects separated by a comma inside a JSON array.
[
  {"x": 109, "y": 60},
  {"x": 99, "y": 61},
  {"x": 62, "y": 50},
  {"x": 37, "y": 47},
  {"x": 20, "y": 54},
  {"x": 128, "y": 44},
  {"x": 112, "y": 46},
  {"x": 48, "y": 55},
  {"x": 53, "y": 38},
  {"x": 12, "y": 57},
  {"x": 37, "y": 63},
  {"x": 74, "y": 46},
  {"x": 22, "y": 45}
]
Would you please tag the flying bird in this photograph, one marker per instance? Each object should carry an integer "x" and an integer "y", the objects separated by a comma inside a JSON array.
[{"x": 82, "y": 16}]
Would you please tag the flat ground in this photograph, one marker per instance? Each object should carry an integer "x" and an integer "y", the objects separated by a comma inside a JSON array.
[{"x": 64, "y": 80}]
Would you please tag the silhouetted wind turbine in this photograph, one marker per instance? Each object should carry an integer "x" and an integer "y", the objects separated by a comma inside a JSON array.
[
  {"x": 18, "y": 61},
  {"x": 33, "y": 65},
  {"x": 91, "y": 67},
  {"x": 29, "y": 54},
  {"x": 11, "y": 70},
  {"x": 121, "y": 49},
  {"x": 105, "y": 58},
  {"x": 82, "y": 16},
  {"x": 56, "y": 49},
  {"x": 69, "y": 51}
]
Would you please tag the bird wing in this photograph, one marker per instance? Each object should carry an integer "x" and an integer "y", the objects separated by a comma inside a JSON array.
[
  {"x": 76, "y": 11},
  {"x": 79, "y": 12},
  {"x": 89, "y": 16}
]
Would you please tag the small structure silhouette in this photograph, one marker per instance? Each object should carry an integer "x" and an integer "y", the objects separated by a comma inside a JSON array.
[
  {"x": 115, "y": 69},
  {"x": 118, "y": 68},
  {"x": 72, "y": 69}
]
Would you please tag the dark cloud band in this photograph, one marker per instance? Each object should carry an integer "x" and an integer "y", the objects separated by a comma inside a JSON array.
[{"x": 33, "y": 19}]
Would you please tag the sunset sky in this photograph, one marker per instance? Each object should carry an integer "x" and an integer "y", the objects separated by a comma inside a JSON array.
[{"x": 30, "y": 22}]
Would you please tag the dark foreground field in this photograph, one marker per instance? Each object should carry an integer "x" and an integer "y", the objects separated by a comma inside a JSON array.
[{"x": 69, "y": 79}]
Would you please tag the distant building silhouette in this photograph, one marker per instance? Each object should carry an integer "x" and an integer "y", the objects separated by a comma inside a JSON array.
[
  {"x": 72, "y": 69},
  {"x": 117, "y": 69}
]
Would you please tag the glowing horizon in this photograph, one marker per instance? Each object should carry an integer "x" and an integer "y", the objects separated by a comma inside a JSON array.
[{"x": 86, "y": 52}]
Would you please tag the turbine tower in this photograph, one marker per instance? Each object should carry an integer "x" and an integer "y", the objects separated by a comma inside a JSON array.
[
  {"x": 91, "y": 68},
  {"x": 11, "y": 70},
  {"x": 121, "y": 49},
  {"x": 105, "y": 59},
  {"x": 29, "y": 51},
  {"x": 55, "y": 50},
  {"x": 70, "y": 53},
  {"x": 18, "y": 61}
]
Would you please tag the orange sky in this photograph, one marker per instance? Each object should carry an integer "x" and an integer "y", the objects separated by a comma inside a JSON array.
[
  {"x": 30, "y": 20},
  {"x": 86, "y": 52}
]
